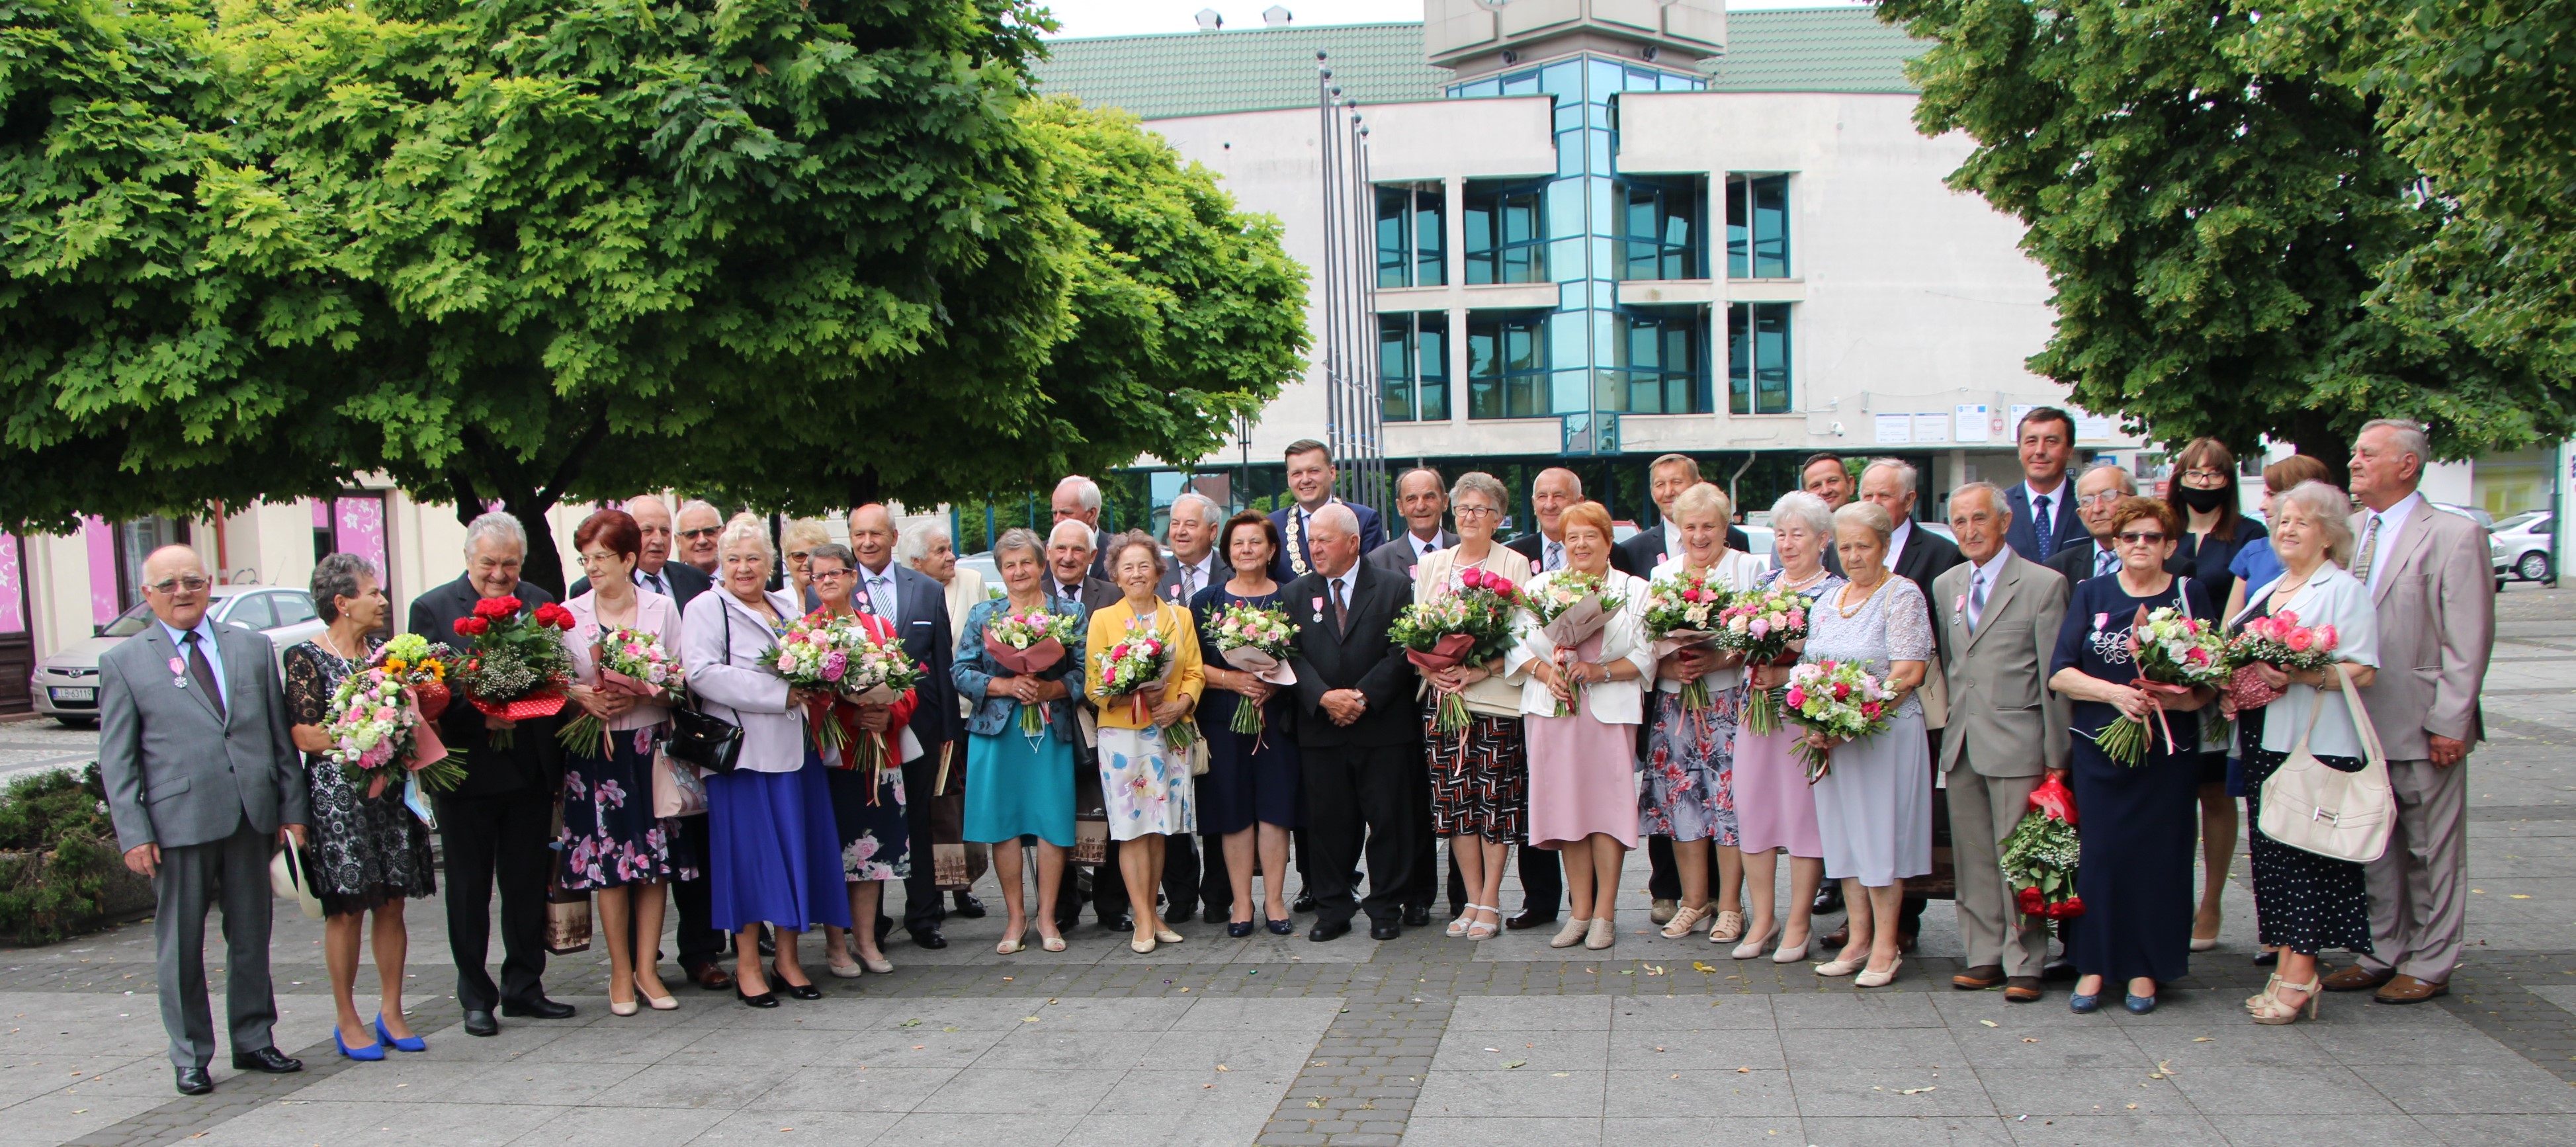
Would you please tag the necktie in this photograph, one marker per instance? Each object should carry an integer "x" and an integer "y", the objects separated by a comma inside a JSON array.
[
  {"x": 2042, "y": 525},
  {"x": 881, "y": 596},
  {"x": 1430, "y": 546},
  {"x": 654, "y": 582},
  {"x": 2104, "y": 561},
  {"x": 1341, "y": 610},
  {"x": 2362, "y": 558},
  {"x": 1189, "y": 582},
  {"x": 1555, "y": 556},
  {"x": 203, "y": 671},
  {"x": 1976, "y": 600}
]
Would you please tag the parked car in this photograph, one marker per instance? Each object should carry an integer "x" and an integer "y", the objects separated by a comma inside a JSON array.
[
  {"x": 2521, "y": 548},
  {"x": 2485, "y": 520},
  {"x": 65, "y": 685}
]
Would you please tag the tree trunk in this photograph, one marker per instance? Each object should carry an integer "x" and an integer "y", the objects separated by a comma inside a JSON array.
[{"x": 2327, "y": 445}]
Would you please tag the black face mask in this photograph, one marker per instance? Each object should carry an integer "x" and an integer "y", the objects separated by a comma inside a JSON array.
[{"x": 2201, "y": 500}]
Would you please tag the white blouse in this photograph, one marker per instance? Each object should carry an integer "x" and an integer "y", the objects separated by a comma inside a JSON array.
[{"x": 2331, "y": 597}]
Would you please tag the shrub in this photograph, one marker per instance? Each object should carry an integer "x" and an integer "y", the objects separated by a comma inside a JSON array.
[{"x": 57, "y": 823}]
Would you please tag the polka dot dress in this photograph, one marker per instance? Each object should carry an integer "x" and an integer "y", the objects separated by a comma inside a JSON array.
[{"x": 2302, "y": 901}]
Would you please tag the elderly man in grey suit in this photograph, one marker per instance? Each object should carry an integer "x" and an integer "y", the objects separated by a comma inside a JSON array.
[
  {"x": 1423, "y": 501},
  {"x": 202, "y": 779},
  {"x": 1998, "y": 614},
  {"x": 2429, "y": 578}
]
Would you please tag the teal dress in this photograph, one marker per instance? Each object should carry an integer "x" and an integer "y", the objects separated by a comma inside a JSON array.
[{"x": 1017, "y": 784}]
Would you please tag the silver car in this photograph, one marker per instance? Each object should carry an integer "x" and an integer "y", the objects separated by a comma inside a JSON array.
[
  {"x": 2522, "y": 545},
  {"x": 65, "y": 685}
]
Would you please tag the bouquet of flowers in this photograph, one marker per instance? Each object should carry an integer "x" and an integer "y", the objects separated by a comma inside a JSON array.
[
  {"x": 814, "y": 653},
  {"x": 376, "y": 729},
  {"x": 1573, "y": 607},
  {"x": 423, "y": 666},
  {"x": 2277, "y": 640},
  {"x": 1256, "y": 639},
  {"x": 1763, "y": 623},
  {"x": 880, "y": 673},
  {"x": 632, "y": 662},
  {"x": 1471, "y": 626},
  {"x": 1838, "y": 699},
  {"x": 2039, "y": 856},
  {"x": 1682, "y": 611},
  {"x": 1029, "y": 644},
  {"x": 2173, "y": 653},
  {"x": 1141, "y": 661},
  {"x": 517, "y": 666}
]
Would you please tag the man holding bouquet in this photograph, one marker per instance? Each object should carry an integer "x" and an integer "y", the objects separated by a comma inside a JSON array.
[{"x": 1357, "y": 735}]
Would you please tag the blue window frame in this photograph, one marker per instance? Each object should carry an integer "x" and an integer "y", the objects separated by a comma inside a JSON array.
[
  {"x": 1409, "y": 236},
  {"x": 1507, "y": 231},
  {"x": 1659, "y": 363},
  {"x": 1413, "y": 367},
  {"x": 1660, "y": 228},
  {"x": 1757, "y": 358},
  {"x": 1757, "y": 226},
  {"x": 1507, "y": 367}
]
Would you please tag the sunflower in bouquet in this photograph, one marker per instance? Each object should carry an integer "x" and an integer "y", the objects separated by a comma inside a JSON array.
[
  {"x": 1682, "y": 611},
  {"x": 1762, "y": 624},
  {"x": 378, "y": 730},
  {"x": 2174, "y": 654},
  {"x": 516, "y": 666}
]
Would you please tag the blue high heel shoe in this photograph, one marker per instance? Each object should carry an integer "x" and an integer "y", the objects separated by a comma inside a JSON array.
[
  {"x": 413, "y": 1043},
  {"x": 373, "y": 1051},
  {"x": 2083, "y": 1005},
  {"x": 2140, "y": 1005}
]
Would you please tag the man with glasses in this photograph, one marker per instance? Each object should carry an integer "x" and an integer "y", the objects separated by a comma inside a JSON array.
[
  {"x": 2098, "y": 493},
  {"x": 699, "y": 524},
  {"x": 201, "y": 778},
  {"x": 918, "y": 609}
]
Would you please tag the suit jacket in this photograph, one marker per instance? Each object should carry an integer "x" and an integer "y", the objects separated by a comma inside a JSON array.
[
  {"x": 1292, "y": 539},
  {"x": 2435, "y": 594},
  {"x": 686, "y": 581},
  {"x": 1645, "y": 550},
  {"x": 1361, "y": 657},
  {"x": 2023, "y": 535},
  {"x": 176, "y": 773},
  {"x": 1169, "y": 588},
  {"x": 921, "y": 605},
  {"x": 1927, "y": 556},
  {"x": 2003, "y": 715},
  {"x": 2075, "y": 563},
  {"x": 1097, "y": 593},
  {"x": 531, "y": 761},
  {"x": 1530, "y": 545},
  {"x": 1396, "y": 556}
]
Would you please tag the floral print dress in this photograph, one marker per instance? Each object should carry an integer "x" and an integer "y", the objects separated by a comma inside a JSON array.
[{"x": 366, "y": 851}]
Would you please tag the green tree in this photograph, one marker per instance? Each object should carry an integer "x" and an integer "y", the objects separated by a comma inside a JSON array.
[{"x": 2213, "y": 220}]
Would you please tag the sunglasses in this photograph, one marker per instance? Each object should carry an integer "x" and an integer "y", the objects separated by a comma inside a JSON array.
[
  {"x": 2134, "y": 538},
  {"x": 180, "y": 585},
  {"x": 702, "y": 532}
]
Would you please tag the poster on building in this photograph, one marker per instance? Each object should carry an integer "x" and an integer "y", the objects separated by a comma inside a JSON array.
[
  {"x": 1969, "y": 423},
  {"x": 1895, "y": 429},
  {"x": 358, "y": 526},
  {"x": 2093, "y": 427},
  {"x": 1931, "y": 428},
  {"x": 13, "y": 596}
]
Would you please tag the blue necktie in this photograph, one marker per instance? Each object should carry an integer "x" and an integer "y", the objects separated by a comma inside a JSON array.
[{"x": 2043, "y": 526}]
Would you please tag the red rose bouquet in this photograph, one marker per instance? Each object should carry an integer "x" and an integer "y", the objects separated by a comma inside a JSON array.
[
  {"x": 2039, "y": 856},
  {"x": 516, "y": 666}
]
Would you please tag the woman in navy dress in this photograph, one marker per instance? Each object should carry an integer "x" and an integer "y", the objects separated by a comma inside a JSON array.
[
  {"x": 2138, "y": 826},
  {"x": 1251, "y": 778}
]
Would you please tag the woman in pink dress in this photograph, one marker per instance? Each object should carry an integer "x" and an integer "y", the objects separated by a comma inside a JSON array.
[
  {"x": 1775, "y": 810},
  {"x": 1582, "y": 766}
]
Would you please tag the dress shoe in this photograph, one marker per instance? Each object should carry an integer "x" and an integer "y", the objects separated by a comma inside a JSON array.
[
  {"x": 2139, "y": 1005},
  {"x": 2405, "y": 989},
  {"x": 1177, "y": 910},
  {"x": 1529, "y": 920},
  {"x": 1838, "y": 939},
  {"x": 1905, "y": 941},
  {"x": 768, "y": 946},
  {"x": 2084, "y": 1005},
  {"x": 1238, "y": 929},
  {"x": 1417, "y": 916},
  {"x": 763, "y": 1000},
  {"x": 850, "y": 970},
  {"x": 1829, "y": 900},
  {"x": 1873, "y": 978},
  {"x": 1122, "y": 922},
  {"x": 2063, "y": 968},
  {"x": 1385, "y": 930},
  {"x": 930, "y": 938},
  {"x": 370, "y": 1052},
  {"x": 1217, "y": 914},
  {"x": 711, "y": 978},
  {"x": 2021, "y": 990},
  {"x": 193, "y": 1081},
  {"x": 407, "y": 1043},
  {"x": 267, "y": 1059},
  {"x": 1572, "y": 934},
  {"x": 481, "y": 1023},
  {"x": 1282, "y": 927},
  {"x": 1305, "y": 902},
  {"x": 1328, "y": 930},
  {"x": 805, "y": 991},
  {"x": 969, "y": 907},
  {"x": 540, "y": 1008},
  {"x": 2358, "y": 979},
  {"x": 1979, "y": 978},
  {"x": 1662, "y": 911},
  {"x": 2267, "y": 958}
]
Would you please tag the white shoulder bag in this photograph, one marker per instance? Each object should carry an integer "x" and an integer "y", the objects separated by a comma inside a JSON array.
[{"x": 2314, "y": 807}]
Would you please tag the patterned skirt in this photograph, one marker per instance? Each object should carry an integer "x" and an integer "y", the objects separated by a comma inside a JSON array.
[
  {"x": 876, "y": 839},
  {"x": 1146, "y": 785},
  {"x": 1479, "y": 785},
  {"x": 610, "y": 836},
  {"x": 1689, "y": 792}
]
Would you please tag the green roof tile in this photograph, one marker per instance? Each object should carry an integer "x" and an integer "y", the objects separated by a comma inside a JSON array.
[{"x": 1171, "y": 75}]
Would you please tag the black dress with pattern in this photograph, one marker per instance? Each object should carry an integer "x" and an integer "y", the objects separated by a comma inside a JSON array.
[
  {"x": 365, "y": 851},
  {"x": 2302, "y": 901}
]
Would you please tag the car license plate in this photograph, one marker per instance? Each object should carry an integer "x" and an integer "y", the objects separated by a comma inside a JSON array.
[{"x": 85, "y": 694}]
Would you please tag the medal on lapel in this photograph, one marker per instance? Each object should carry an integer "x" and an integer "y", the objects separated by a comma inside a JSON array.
[
  {"x": 1319, "y": 609},
  {"x": 1958, "y": 608},
  {"x": 178, "y": 673}
]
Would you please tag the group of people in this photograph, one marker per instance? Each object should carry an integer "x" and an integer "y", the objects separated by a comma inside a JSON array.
[{"x": 2005, "y": 655}]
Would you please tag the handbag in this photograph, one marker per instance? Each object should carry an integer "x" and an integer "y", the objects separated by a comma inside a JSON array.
[
  {"x": 701, "y": 738},
  {"x": 567, "y": 920},
  {"x": 2315, "y": 807},
  {"x": 677, "y": 790},
  {"x": 288, "y": 878}
]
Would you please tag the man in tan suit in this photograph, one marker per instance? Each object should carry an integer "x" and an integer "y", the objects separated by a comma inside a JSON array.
[
  {"x": 2428, "y": 575},
  {"x": 1998, "y": 614}
]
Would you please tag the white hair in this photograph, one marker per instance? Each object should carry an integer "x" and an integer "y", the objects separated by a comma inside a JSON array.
[
  {"x": 1995, "y": 496},
  {"x": 915, "y": 542},
  {"x": 1337, "y": 516},
  {"x": 1081, "y": 533},
  {"x": 2329, "y": 510},
  {"x": 2410, "y": 437},
  {"x": 1805, "y": 509},
  {"x": 1086, "y": 493},
  {"x": 747, "y": 527},
  {"x": 2128, "y": 481},
  {"x": 497, "y": 525},
  {"x": 1209, "y": 512},
  {"x": 698, "y": 504},
  {"x": 1905, "y": 471}
]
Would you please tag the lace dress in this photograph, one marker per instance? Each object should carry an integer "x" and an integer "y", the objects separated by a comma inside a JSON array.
[
  {"x": 1874, "y": 806},
  {"x": 365, "y": 851}
]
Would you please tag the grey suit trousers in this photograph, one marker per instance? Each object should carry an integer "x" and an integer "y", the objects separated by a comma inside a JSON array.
[
  {"x": 2419, "y": 887},
  {"x": 1983, "y": 810},
  {"x": 191, "y": 880}
]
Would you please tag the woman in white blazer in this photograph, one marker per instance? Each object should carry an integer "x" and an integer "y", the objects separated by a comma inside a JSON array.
[
  {"x": 1479, "y": 779},
  {"x": 775, "y": 853},
  {"x": 1582, "y": 766},
  {"x": 2303, "y": 902},
  {"x": 1688, "y": 796}
]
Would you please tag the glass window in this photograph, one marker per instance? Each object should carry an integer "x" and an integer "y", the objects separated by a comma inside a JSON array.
[
  {"x": 1409, "y": 233},
  {"x": 1659, "y": 227},
  {"x": 1413, "y": 367},
  {"x": 1757, "y": 358},
  {"x": 1660, "y": 363},
  {"x": 1757, "y": 226},
  {"x": 251, "y": 611},
  {"x": 293, "y": 608},
  {"x": 1506, "y": 234},
  {"x": 1507, "y": 373}
]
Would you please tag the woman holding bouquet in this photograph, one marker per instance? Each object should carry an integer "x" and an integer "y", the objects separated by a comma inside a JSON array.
[
  {"x": 1775, "y": 808},
  {"x": 1689, "y": 794},
  {"x": 367, "y": 853},
  {"x": 2303, "y": 902},
  {"x": 612, "y": 842},
  {"x": 774, "y": 852},
  {"x": 2138, "y": 828},
  {"x": 876, "y": 843},
  {"x": 1252, "y": 777},
  {"x": 1019, "y": 782},
  {"x": 1479, "y": 782},
  {"x": 1144, "y": 776},
  {"x": 1582, "y": 796},
  {"x": 1874, "y": 801}
]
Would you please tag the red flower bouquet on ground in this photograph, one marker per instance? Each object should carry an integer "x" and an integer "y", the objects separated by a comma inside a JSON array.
[
  {"x": 2039, "y": 856},
  {"x": 516, "y": 667}
]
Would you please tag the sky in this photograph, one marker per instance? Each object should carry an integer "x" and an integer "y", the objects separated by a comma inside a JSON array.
[{"x": 1131, "y": 17}]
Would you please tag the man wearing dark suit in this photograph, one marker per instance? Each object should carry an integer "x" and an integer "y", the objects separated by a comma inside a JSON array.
[
  {"x": 918, "y": 607},
  {"x": 1195, "y": 565},
  {"x": 1310, "y": 482},
  {"x": 2089, "y": 555},
  {"x": 702, "y": 944},
  {"x": 1069, "y": 561},
  {"x": 1358, "y": 732},
  {"x": 496, "y": 827},
  {"x": 202, "y": 783},
  {"x": 2040, "y": 526}
]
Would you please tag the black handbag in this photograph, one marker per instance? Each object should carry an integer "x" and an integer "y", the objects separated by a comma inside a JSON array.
[{"x": 702, "y": 738}]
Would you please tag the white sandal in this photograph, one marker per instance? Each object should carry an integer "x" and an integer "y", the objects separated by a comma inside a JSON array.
[{"x": 1481, "y": 930}]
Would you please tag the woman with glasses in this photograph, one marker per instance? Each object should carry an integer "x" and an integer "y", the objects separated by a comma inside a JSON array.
[
  {"x": 2134, "y": 874},
  {"x": 868, "y": 805},
  {"x": 797, "y": 544},
  {"x": 2215, "y": 530},
  {"x": 1480, "y": 781}
]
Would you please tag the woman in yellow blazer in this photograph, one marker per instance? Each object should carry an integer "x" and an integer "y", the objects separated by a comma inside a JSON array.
[{"x": 1144, "y": 775}]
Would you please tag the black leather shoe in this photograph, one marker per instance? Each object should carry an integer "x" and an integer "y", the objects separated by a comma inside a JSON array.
[
  {"x": 763, "y": 1000},
  {"x": 930, "y": 938},
  {"x": 267, "y": 1059},
  {"x": 1417, "y": 917},
  {"x": 1387, "y": 931},
  {"x": 540, "y": 1008},
  {"x": 1121, "y": 922},
  {"x": 2062, "y": 969},
  {"x": 481, "y": 1023},
  {"x": 769, "y": 944},
  {"x": 1529, "y": 920},
  {"x": 194, "y": 1081},
  {"x": 1334, "y": 930},
  {"x": 969, "y": 907},
  {"x": 711, "y": 978},
  {"x": 1830, "y": 900},
  {"x": 1305, "y": 902},
  {"x": 1177, "y": 912},
  {"x": 1238, "y": 928}
]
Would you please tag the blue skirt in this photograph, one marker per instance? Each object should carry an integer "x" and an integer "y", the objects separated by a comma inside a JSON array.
[
  {"x": 1016, "y": 787},
  {"x": 775, "y": 851}
]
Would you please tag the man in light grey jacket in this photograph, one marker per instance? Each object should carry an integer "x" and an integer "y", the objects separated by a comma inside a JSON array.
[{"x": 202, "y": 780}]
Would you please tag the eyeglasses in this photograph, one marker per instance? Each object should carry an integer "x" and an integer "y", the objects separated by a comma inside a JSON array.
[
  {"x": 2205, "y": 475},
  {"x": 2138, "y": 538},
  {"x": 702, "y": 532},
  {"x": 2105, "y": 498},
  {"x": 180, "y": 585},
  {"x": 798, "y": 555},
  {"x": 1465, "y": 510}
]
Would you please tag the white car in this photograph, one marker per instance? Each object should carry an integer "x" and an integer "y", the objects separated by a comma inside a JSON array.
[
  {"x": 65, "y": 685},
  {"x": 2521, "y": 545}
]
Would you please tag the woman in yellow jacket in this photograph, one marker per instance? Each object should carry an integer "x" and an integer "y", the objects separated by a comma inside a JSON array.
[{"x": 1144, "y": 762}]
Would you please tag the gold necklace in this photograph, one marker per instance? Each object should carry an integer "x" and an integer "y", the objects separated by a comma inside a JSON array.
[{"x": 1864, "y": 601}]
